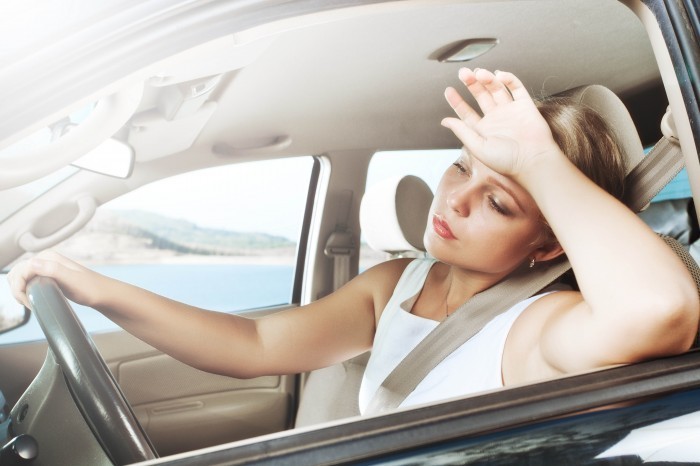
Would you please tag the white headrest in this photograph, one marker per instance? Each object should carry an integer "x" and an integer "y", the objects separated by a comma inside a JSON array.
[
  {"x": 610, "y": 107},
  {"x": 394, "y": 214}
]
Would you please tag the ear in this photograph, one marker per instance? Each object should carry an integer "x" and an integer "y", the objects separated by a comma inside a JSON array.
[{"x": 548, "y": 251}]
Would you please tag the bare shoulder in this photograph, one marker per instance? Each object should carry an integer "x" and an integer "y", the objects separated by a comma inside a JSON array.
[
  {"x": 388, "y": 271},
  {"x": 380, "y": 281}
]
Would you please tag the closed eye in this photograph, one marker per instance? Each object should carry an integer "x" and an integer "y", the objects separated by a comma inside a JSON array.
[
  {"x": 462, "y": 168},
  {"x": 495, "y": 205}
]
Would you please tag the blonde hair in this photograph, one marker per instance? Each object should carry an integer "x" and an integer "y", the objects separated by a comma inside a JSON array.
[{"x": 588, "y": 141}]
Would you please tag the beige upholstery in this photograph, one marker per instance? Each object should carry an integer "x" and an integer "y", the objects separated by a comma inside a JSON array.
[
  {"x": 611, "y": 108},
  {"x": 332, "y": 392},
  {"x": 393, "y": 217},
  {"x": 394, "y": 212},
  {"x": 387, "y": 216}
]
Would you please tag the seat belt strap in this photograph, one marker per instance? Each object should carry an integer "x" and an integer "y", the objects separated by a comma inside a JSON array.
[
  {"x": 663, "y": 162},
  {"x": 645, "y": 180},
  {"x": 340, "y": 245}
]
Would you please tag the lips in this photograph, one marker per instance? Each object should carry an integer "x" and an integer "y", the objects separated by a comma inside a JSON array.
[{"x": 441, "y": 227}]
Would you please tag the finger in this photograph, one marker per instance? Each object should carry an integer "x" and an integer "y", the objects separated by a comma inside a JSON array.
[
  {"x": 44, "y": 266},
  {"x": 477, "y": 89},
  {"x": 471, "y": 139},
  {"x": 463, "y": 110},
  {"x": 60, "y": 260},
  {"x": 515, "y": 86},
  {"x": 17, "y": 279},
  {"x": 499, "y": 92}
]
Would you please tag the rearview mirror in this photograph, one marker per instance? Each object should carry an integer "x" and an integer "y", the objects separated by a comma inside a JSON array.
[
  {"x": 12, "y": 313},
  {"x": 12, "y": 317}
]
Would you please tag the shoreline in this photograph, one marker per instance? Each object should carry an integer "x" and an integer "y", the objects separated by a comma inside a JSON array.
[{"x": 193, "y": 259}]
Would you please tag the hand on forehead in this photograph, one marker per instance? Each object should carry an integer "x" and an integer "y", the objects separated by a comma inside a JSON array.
[{"x": 509, "y": 128}]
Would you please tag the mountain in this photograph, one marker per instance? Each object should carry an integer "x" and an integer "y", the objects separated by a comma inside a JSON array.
[
  {"x": 134, "y": 234},
  {"x": 186, "y": 237}
]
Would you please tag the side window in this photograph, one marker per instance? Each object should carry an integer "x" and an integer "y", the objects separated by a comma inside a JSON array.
[
  {"x": 222, "y": 238},
  {"x": 426, "y": 164}
]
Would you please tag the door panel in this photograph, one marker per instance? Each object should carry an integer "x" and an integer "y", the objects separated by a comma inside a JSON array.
[
  {"x": 182, "y": 408},
  {"x": 214, "y": 419},
  {"x": 19, "y": 364}
]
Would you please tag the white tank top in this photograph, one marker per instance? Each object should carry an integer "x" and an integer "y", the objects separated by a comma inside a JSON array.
[{"x": 473, "y": 367}]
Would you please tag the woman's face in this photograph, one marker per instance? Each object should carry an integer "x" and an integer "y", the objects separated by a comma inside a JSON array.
[{"x": 481, "y": 220}]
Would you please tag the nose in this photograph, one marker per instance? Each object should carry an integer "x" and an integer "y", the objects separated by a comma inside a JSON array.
[{"x": 460, "y": 198}]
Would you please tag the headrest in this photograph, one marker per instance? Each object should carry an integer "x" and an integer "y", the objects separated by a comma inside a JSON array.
[
  {"x": 614, "y": 112},
  {"x": 394, "y": 214}
]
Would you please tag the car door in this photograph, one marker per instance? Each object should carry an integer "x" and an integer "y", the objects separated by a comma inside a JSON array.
[{"x": 219, "y": 238}]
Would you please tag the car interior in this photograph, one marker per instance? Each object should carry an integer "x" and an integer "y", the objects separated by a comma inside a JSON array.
[{"x": 334, "y": 84}]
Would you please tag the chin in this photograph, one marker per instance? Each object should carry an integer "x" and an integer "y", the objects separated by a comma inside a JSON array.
[{"x": 433, "y": 249}]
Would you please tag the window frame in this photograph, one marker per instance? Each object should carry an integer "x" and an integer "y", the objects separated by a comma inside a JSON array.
[
  {"x": 305, "y": 234},
  {"x": 300, "y": 260},
  {"x": 372, "y": 440}
]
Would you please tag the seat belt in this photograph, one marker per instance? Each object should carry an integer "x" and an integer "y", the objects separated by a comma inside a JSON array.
[
  {"x": 663, "y": 162},
  {"x": 340, "y": 245},
  {"x": 642, "y": 184}
]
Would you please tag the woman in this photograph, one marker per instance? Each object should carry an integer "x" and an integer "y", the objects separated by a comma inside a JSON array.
[{"x": 506, "y": 202}]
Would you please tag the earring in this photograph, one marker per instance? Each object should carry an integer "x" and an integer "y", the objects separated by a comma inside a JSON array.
[{"x": 532, "y": 262}]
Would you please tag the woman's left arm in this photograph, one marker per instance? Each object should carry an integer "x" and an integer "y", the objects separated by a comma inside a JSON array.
[{"x": 639, "y": 300}]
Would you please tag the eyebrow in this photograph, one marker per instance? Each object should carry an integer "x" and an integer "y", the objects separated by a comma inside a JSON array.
[
  {"x": 467, "y": 157},
  {"x": 508, "y": 190}
]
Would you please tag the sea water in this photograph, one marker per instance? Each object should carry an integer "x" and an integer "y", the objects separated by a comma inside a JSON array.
[{"x": 221, "y": 287}]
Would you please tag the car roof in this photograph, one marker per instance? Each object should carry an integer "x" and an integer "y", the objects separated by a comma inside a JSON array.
[{"x": 329, "y": 79}]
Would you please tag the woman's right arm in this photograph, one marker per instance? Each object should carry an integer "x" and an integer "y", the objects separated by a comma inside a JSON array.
[{"x": 324, "y": 332}]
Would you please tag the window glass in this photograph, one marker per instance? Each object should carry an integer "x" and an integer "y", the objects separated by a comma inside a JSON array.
[
  {"x": 223, "y": 238},
  {"x": 426, "y": 164},
  {"x": 677, "y": 188}
]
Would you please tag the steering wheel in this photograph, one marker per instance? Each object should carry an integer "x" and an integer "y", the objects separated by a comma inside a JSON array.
[{"x": 96, "y": 393}]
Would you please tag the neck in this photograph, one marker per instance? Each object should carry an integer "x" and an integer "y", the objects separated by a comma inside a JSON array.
[{"x": 460, "y": 285}]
